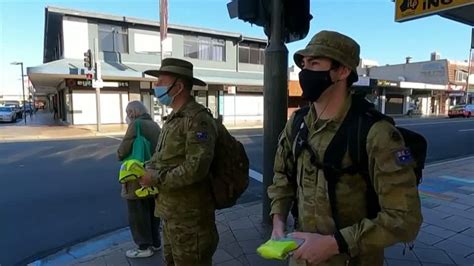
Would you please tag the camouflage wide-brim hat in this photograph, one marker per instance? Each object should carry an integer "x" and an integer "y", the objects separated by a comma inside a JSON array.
[
  {"x": 178, "y": 67},
  {"x": 333, "y": 45}
]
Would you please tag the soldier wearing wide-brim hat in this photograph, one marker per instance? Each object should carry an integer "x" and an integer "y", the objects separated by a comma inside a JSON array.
[
  {"x": 329, "y": 67},
  {"x": 178, "y": 67},
  {"x": 180, "y": 168}
]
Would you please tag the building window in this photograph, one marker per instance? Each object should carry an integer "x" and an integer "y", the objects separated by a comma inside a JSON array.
[
  {"x": 461, "y": 76},
  {"x": 113, "y": 38},
  {"x": 252, "y": 53},
  {"x": 204, "y": 48}
]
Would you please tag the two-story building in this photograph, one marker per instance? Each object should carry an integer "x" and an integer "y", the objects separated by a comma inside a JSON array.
[{"x": 231, "y": 64}]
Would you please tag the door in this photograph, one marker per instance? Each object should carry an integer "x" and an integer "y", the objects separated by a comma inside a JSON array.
[
  {"x": 110, "y": 108},
  {"x": 124, "y": 103},
  {"x": 84, "y": 108}
]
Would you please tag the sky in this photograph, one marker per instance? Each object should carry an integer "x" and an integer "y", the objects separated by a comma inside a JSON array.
[{"x": 369, "y": 22}]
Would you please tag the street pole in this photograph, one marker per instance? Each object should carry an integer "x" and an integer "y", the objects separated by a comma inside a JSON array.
[
  {"x": 468, "y": 74},
  {"x": 98, "y": 81},
  {"x": 23, "y": 89},
  {"x": 275, "y": 96}
]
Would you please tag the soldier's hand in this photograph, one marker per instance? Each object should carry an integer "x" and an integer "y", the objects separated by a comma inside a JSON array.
[
  {"x": 316, "y": 248},
  {"x": 278, "y": 227},
  {"x": 145, "y": 181}
]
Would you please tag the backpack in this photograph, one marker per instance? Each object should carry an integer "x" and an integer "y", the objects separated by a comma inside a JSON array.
[
  {"x": 360, "y": 118},
  {"x": 229, "y": 168}
]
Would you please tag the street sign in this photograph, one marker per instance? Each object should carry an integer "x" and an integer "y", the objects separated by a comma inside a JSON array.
[
  {"x": 231, "y": 89},
  {"x": 411, "y": 9}
]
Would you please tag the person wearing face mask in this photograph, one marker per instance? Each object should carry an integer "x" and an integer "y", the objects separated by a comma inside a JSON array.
[
  {"x": 144, "y": 226},
  {"x": 180, "y": 168},
  {"x": 340, "y": 232}
]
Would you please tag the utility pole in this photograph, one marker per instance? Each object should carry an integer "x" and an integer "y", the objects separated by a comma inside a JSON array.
[
  {"x": 23, "y": 88},
  {"x": 469, "y": 66},
  {"x": 275, "y": 97},
  {"x": 283, "y": 21},
  {"x": 97, "y": 81},
  {"x": 468, "y": 74}
]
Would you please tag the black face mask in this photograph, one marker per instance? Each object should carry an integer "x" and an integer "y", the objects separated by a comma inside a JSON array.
[{"x": 314, "y": 83}]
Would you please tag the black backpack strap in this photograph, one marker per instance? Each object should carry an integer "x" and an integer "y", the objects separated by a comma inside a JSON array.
[
  {"x": 358, "y": 154},
  {"x": 299, "y": 130},
  {"x": 333, "y": 161},
  {"x": 351, "y": 137},
  {"x": 367, "y": 116}
]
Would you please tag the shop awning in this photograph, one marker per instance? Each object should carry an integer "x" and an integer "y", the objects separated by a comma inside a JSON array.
[{"x": 48, "y": 77}]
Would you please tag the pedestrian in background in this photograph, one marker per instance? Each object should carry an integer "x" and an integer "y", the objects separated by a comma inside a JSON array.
[{"x": 145, "y": 227}]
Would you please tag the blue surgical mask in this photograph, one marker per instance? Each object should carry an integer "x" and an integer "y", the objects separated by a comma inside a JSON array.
[{"x": 161, "y": 92}]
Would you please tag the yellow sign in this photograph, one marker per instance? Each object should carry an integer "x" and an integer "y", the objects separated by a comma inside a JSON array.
[{"x": 410, "y": 9}]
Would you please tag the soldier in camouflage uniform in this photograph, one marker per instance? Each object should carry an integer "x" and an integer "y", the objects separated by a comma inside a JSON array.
[
  {"x": 329, "y": 67},
  {"x": 180, "y": 169}
]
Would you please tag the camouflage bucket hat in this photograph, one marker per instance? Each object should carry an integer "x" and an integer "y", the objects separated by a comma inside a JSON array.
[{"x": 332, "y": 45}]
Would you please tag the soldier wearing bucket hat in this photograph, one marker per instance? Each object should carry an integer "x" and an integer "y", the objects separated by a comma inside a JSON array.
[
  {"x": 180, "y": 168},
  {"x": 339, "y": 232}
]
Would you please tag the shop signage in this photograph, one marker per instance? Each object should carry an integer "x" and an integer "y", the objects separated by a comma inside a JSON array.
[
  {"x": 411, "y": 9},
  {"x": 386, "y": 83}
]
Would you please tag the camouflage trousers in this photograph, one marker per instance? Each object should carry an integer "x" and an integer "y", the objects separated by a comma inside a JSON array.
[{"x": 189, "y": 242}]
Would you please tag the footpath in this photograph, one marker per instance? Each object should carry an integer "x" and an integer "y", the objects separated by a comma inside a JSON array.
[
  {"x": 446, "y": 236},
  {"x": 42, "y": 126}
]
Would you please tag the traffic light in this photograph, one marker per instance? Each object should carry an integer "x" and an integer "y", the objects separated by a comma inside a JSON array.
[
  {"x": 89, "y": 76},
  {"x": 88, "y": 59},
  {"x": 253, "y": 11},
  {"x": 296, "y": 14}
]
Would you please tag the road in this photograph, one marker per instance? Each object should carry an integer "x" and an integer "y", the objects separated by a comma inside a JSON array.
[
  {"x": 447, "y": 138},
  {"x": 56, "y": 193}
]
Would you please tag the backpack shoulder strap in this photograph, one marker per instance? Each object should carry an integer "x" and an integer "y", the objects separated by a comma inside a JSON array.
[
  {"x": 299, "y": 136},
  {"x": 367, "y": 116},
  {"x": 351, "y": 137},
  {"x": 298, "y": 120},
  {"x": 299, "y": 132},
  {"x": 192, "y": 115}
]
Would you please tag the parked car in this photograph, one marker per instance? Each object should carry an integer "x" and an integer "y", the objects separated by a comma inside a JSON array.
[
  {"x": 16, "y": 106},
  {"x": 7, "y": 114},
  {"x": 465, "y": 110}
]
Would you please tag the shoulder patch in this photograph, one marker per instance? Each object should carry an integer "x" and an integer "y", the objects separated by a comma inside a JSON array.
[
  {"x": 403, "y": 157},
  {"x": 201, "y": 136}
]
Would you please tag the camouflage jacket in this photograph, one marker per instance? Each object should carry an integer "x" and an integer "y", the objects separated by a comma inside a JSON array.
[
  {"x": 181, "y": 164},
  {"x": 395, "y": 183}
]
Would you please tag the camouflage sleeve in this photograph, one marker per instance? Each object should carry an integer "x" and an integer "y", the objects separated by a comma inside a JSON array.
[
  {"x": 200, "y": 141},
  {"x": 126, "y": 146},
  {"x": 391, "y": 169},
  {"x": 281, "y": 192}
]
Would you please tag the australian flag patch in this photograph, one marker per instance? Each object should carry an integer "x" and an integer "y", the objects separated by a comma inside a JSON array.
[
  {"x": 201, "y": 136},
  {"x": 403, "y": 157}
]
